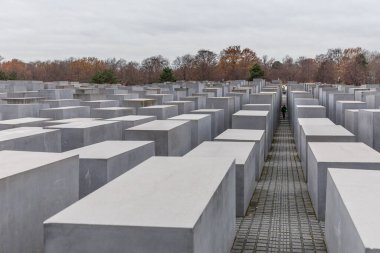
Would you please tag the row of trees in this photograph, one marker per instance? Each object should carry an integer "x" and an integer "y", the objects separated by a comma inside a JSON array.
[{"x": 350, "y": 66}]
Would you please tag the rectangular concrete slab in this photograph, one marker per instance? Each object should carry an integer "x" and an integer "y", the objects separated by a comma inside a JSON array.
[
  {"x": 225, "y": 103},
  {"x": 80, "y": 134},
  {"x": 112, "y": 112},
  {"x": 162, "y": 112},
  {"x": 244, "y": 153},
  {"x": 200, "y": 127},
  {"x": 368, "y": 127},
  {"x": 321, "y": 133},
  {"x": 217, "y": 119},
  {"x": 341, "y": 106},
  {"x": 257, "y": 120},
  {"x": 66, "y": 112},
  {"x": 323, "y": 155},
  {"x": 102, "y": 162},
  {"x": 31, "y": 139},
  {"x": 246, "y": 135},
  {"x": 309, "y": 122},
  {"x": 154, "y": 207},
  {"x": 22, "y": 122},
  {"x": 33, "y": 187},
  {"x": 183, "y": 106},
  {"x": 352, "y": 220},
  {"x": 171, "y": 137}
]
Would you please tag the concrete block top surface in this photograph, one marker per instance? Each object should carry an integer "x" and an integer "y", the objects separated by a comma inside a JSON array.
[
  {"x": 113, "y": 108},
  {"x": 158, "y": 107},
  {"x": 359, "y": 190},
  {"x": 241, "y": 134},
  {"x": 178, "y": 102},
  {"x": 310, "y": 106},
  {"x": 315, "y": 121},
  {"x": 64, "y": 108},
  {"x": 107, "y": 149},
  {"x": 140, "y": 99},
  {"x": 22, "y": 121},
  {"x": 157, "y": 193},
  {"x": 237, "y": 150},
  {"x": 350, "y": 102},
  {"x": 326, "y": 130},
  {"x": 83, "y": 124},
  {"x": 132, "y": 118},
  {"x": 190, "y": 116},
  {"x": 20, "y": 132},
  {"x": 344, "y": 152},
  {"x": 251, "y": 113},
  {"x": 207, "y": 110},
  {"x": 16, "y": 162},
  {"x": 72, "y": 120},
  {"x": 364, "y": 110},
  {"x": 159, "y": 125}
]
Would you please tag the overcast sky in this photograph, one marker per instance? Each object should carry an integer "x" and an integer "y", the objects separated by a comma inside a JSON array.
[{"x": 136, "y": 29}]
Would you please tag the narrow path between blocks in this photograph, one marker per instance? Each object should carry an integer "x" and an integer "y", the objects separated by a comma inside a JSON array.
[{"x": 280, "y": 217}]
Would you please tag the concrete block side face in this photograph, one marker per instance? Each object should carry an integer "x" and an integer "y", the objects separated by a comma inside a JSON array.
[
  {"x": 160, "y": 138},
  {"x": 366, "y": 128},
  {"x": 215, "y": 230},
  {"x": 340, "y": 232},
  {"x": 29, "y": 198},
  {"x": 92, "y": 175},
  {"x": 376, "y": 132},
  {"x": 312, "y": 182},
  {"x": 44, "y": 142},
  {"x": 204, "y": 130},
  {"x": 73, "y": 238},
  {"x": 72, "y": 139},
  {"x": 120, "y": 164},
  {"x": 179, "y": 140}
]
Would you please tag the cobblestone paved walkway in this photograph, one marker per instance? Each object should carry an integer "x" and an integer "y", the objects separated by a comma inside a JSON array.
[{"x": 280, "y": 217}]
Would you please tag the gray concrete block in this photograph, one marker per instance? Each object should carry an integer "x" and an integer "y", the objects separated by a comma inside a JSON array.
[
  {"x": 162, "y": 112},
  {"x": 351, "y": 121},
  {"x": 321, "y": 133},
  {"x": 62, "y": 103},
  {"x": 33, "y": 187},
  {"x": 66, "y": 112},
  {"x": 217, "y": 119},
  {"x": 200, "y": 101},
  {"x": 333, "y": 97},
  {"x": 100, "y": 103},
  {"x": 321, "y": 156},
  {"x": 31, "y": 139},
  {"x": 368, "y": 127},
  {"x": 138, "y": 102},
  {"x": 161, "y": 99},
  {"x": 244, "y": 153},
  {"x": 22, "y": 122},
  {"x": 159, "y": 211},
  {"x": 112, "y": 112},
  {"x": 246, "y": 135},
  {"x": 309, "y": 122},
  {"x": 66, "y": 121},
  {"x": 257, "y": 120},
  {"x": 200, "y": 127},
  {"x": 352, "y": 223},
  {"x": 80, "y": 134},
  {"x": 15, "y": 111},
  {"x": 341, "y": 106},
  {"x": 183, "y": 106},
  {"x": 102, "y": 162},
  {"x": 171, "y": 137},
  {"x": 225, "y": 103}
]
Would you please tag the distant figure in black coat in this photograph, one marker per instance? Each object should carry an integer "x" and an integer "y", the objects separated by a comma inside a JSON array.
[{"x": 284, "y": 110}]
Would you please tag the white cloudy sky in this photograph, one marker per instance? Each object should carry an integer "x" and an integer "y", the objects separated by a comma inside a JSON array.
[{"x": 136, "y": 29}]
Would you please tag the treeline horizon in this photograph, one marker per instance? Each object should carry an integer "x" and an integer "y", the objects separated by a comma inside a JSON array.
[{"x": 347, "y": 66}]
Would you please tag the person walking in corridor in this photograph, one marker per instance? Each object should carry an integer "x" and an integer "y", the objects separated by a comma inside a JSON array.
[{"x": 284, "y": 110}]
